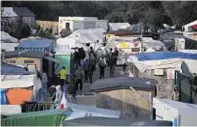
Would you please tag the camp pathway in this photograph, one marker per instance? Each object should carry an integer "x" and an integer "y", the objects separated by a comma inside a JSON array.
[{"x": 87, "y": 97}]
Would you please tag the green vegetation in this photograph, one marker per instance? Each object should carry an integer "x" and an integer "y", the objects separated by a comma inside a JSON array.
[{"x": 149, "y": 12}]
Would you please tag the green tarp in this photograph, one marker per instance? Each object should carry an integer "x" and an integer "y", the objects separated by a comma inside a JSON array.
[
  {"x": 65, "y": 61},
  {"x": 41, "y": 118}
]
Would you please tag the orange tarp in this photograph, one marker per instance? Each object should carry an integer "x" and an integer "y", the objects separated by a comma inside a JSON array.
[{"x": 17, "y": 96}]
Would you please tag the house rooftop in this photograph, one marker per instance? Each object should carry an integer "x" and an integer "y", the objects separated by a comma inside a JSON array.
[
  {"x": 123, "y": 83},
  {"x": 23, "y": 11},
  {"x": 30, "y": 54}
]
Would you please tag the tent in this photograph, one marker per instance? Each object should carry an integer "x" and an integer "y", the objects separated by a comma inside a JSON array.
[
  {"x": 88, "y": 35},
  {"x": 168, "y": 39},
  {"x": 18, "y": 88},
  {"x": 118, "y": 26},
  {"x": 181, "y": 114},
  {"x": 8, "y": 46},
  {"x": 12, "y": 69},
  {"x": 164, "y": 59},
  {"x": 8, "y": 38},
  {"x": 162, "y": 66}
]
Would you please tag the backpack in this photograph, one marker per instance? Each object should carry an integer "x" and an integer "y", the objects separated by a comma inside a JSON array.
[{"x": 102, "y": 63}]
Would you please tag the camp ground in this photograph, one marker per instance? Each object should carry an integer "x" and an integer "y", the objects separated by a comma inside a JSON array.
[{"x": 128, "y": 65}]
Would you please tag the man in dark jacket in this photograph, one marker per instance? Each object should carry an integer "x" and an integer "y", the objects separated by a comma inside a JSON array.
[{"x": 112, "y": 64}]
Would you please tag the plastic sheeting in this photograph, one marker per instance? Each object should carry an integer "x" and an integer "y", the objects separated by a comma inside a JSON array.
[
  {"x": 80, "y": 111},
  {"x": 165, "y": 55},
  {"x": 156, "y": 60},
  {"x": 9, "y": 46},
  {"x": 11, "y": 69},
  {"x": 17, "y": 81},
  {"x": 88, "y": 35},
  {"x": 3, "y": 97},
  {"x": 17, "y": 96},
  {"x": 40, "y": 118},
  {"x": 118, "y": 26},
  {"x": 10, "y": 109},
  {"x": 39, "y": 43}
]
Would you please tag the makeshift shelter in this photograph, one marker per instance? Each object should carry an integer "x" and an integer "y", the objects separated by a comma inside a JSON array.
[
  {"x": 161, "y": 66},
  {"x": 32, "y": 60},
  {"x": 129, "y": 95},
  {"x": 168, "y": 39},
  {"x": 39, "y": 45},
  {"x": 16, "y": 88},
  {"x": 181, "y": 114},
  {"x": 12, "y": 69},
  {"x": 118, "y": 26},
  {"x": 8, "y": 46},
  {"x": 88, "y": 35}
]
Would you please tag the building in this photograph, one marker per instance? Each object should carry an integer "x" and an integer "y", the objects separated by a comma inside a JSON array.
[
  {"x": 32, "y": 60},
  {"x": 13, "y": 15},
  {"x": 130, "y": 95},
  {"x": 74, "y": 23},
  {"x": 40, "y": 45}
]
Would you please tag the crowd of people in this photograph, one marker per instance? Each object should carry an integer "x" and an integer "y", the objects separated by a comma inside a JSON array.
[{"x": 85, "y": 64}]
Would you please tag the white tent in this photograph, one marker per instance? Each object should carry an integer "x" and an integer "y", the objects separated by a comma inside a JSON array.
[
  {"x": 8, "y": 12},
  {"x": 118, "y": 26},
  {"x": 148, "y": 42},
  {"x": 88, "y": 35},
  {"x": 9, "y": 46},
  {"x": 181, "y": 114},
  {"x": 17, "y": 81},
  {"x": 79, "y": 39},
  {"x": 6, "y": 37}
]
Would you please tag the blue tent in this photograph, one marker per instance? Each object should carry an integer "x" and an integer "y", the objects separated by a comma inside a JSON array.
[
  {"x": 165, "y": 55},
  {"x": 36, "y": 45}
]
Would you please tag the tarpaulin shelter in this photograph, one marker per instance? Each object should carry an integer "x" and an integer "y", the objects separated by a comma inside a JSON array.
[
  {"x": 130, "y": 95},
  {"x": 39, "y": 45},
  {"x": 118, "y": 26},
  {"x": 180, "y": 114},
  {"x": 17, "y": 88},
  {"x": 161, "y": 66}
]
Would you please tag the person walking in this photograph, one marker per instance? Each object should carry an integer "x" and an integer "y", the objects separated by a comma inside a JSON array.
[
  {"x": 85, "y": 67},
  {"x": 175, "y": 94},
  {"x": 63, "y": 74},
  {"x": 79, "y": 78},
  {"x": 102, "y": 65},
  {"x": 90, "y": 71},
  {"x": 112, "y": 64}
]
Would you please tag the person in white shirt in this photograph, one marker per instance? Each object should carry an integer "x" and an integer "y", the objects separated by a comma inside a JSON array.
[
  {"x": 58, "y": 94},
  {"x": 102, "y": 65}
]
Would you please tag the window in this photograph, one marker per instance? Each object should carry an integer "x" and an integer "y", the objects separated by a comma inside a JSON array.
[
  {"x": 135, "y": 49},
  {"x": 67, "y": 25},
  {"x": 28, "y": 61}
]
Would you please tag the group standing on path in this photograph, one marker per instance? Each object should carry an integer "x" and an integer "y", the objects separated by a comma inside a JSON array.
[{"x": 84, "y": 67}]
